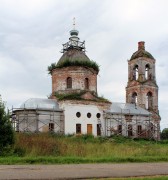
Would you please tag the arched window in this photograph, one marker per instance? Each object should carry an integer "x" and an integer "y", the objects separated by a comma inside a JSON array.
[
  {"x": 135, "y": 72},
  {"x": 134, "y": 98},
  {"x": 149, "y": 100},
  {"x": 69, "y": 82},
  {"x": 147, "y": 67},
  {"x": 86, "y": 83}
]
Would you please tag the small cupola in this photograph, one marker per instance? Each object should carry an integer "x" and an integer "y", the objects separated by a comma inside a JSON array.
[{"x": 141, "y": 52}]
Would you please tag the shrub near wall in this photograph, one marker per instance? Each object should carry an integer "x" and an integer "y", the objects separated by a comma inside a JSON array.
[{"x": 6, "y": 131}]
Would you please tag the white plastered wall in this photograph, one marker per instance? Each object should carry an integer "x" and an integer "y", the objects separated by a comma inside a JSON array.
[{"x": 71, "y": 119}]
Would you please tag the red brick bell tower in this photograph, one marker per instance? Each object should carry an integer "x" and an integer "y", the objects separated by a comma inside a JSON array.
[{"x": 142, "y": 88}]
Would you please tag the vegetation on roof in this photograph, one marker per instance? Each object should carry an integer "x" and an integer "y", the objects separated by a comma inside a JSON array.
[
  {"x": 78, "y": 96},
  {"x": 141, "y": 53},
  {"x": 67, "y": 62}
]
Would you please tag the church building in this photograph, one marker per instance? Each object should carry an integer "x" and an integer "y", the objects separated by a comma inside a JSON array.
[{"x": 74, "y": 106}]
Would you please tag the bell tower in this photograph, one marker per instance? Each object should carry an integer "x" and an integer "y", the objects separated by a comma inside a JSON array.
[{"x": 142, "y": 88}]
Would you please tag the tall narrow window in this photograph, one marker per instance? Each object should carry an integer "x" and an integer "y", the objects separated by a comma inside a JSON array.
[
  {"x": 135, "y": 72},
  {"x": 98, "y": 129},
  {"x": 139, "y": 130},
  {"x": 130, "y": 130},
  {"x": 86, "y": 83},
  {"x": 134, "y": 98},
  {"x": 78, "y": 128},
  {"x": 147, "y": 72},
  {"x": 149, "y": 101},
  {"x": 69, "y": 82}
]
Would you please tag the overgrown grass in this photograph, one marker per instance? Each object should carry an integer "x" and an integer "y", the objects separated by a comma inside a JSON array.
[
  {"x": 140, "y": 178},
  {"x": 56, "y": 149},
  {"x": 67, "y": 62},
  {"x": 78, "y": 96}
]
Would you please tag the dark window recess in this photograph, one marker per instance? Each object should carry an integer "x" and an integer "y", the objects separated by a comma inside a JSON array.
[
  {"x": 98, "y": 129},
  {"x": 130, "y": 130},
  {"x": 98, "y": 115},
  {"x": 78, "y": 128},
  {"x": 78, "y": 114},
  {"x": 69, "y": 82},
  {"x": 86, "y": 83},
  {"x": 139, "y": 129},
  {"x": 51, "y": 126},
  {"x": 89, "y": 115},
  {"x": 119, "y": 129}
]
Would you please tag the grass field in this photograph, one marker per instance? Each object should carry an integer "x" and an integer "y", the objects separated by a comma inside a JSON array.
[
  {"x": 55, "y": 149},
  {"x": 138, "y": 178}
]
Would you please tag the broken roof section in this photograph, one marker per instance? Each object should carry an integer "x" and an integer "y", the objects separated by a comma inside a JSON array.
[{"x": 127, "y": 109}]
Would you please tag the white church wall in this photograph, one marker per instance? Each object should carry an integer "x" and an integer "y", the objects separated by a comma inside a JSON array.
[{"x": 71, "y": 119}]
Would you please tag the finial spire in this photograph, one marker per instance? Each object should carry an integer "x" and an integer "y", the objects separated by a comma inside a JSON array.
[{"x": 74, "y": 23}]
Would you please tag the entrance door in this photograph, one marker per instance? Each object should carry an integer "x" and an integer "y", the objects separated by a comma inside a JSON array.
[{"x": 89, "y": 128}]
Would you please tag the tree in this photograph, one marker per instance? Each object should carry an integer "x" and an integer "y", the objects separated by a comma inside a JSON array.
[
  {"x": 6, "y": 130},
  {"x": 164, "y": 134}
]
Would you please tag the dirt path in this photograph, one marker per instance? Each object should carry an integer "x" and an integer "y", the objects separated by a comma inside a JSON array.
[{"x": 82, "y": 171}]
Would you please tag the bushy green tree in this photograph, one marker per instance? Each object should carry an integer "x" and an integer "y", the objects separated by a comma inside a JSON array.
[
  {"x": 6, "y": 130},
  {"x": 164, "y": 134}
]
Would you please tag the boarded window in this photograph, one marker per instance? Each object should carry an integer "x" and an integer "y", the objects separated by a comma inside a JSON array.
[
  {"x": 69, "y": 82},
  {"x": 86, "y": 83},
  {"x": 51, "y": 127},
  {"x": 130, "y": 130},
  {"x": 98, "y": 129},
  {"x": 119, "y": 129},
  {"x": 78, "y": 128}
]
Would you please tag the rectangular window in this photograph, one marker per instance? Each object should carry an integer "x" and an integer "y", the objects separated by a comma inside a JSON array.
[
  {"x": 139, "y": 127},
  {"x": 78, "y": 128},
  {"x": 130, "y": 130},
  {"x": 119, "y": 129},
  {"x": 51, "y": 127},
  {"x": 98, "y": 129}
]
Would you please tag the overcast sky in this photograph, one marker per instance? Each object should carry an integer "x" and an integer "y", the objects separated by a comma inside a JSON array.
[{"x": 32, "y": 33}]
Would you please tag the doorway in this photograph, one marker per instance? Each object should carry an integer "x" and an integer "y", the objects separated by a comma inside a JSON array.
[{"x": 89, "y": 128}]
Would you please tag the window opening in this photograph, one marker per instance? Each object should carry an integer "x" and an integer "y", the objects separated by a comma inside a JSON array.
[
  {"x": 98, "y": 115},
  {"x": 78, "y": 128},
  {"x": 130, "y": 130},
  {"x": 51, "y": 127},
  {"x": 135, "y": 73},
  {"x": 69, "y": 82},
  {"x": 86, "y": 83},
  {"x": 89, "y": 115},
  {"x": 139, "y": 127},
  {"x": 98, "y": 129},
  {"x": 119, "y": 129},
  {"x": 149, "y": 100},
  {"x": 78, "y": 114},
  {"x": 134, "y": 98},
  {"x": 147, "y": 76}
]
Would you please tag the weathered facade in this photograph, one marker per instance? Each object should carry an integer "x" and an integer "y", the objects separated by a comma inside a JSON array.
[
  {"x": 142, "y": 88},
  {"x": 79, "y": 109}
]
